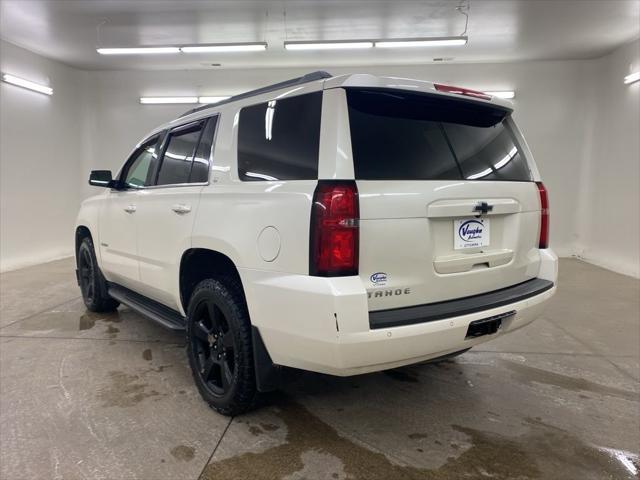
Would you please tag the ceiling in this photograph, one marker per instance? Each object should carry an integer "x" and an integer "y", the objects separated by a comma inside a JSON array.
[{"x": 498, "y": 30}]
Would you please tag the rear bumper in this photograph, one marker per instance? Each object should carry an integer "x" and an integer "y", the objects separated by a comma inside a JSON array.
[
  {"x": 478, "y": 303},
  {"x": 396, "y": 346},
  {"x": 322, "y": 324}
]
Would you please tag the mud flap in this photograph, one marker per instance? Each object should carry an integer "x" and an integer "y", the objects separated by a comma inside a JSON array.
[{"x": 268, "y": 375}]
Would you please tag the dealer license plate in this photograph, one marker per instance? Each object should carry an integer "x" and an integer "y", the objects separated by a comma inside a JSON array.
[{"x": 470, "y": 233}]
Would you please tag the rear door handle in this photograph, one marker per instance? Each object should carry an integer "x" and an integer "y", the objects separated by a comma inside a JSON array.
[
  {"x": 181, "y": 208},
  {"x": 130, "y": 208}
]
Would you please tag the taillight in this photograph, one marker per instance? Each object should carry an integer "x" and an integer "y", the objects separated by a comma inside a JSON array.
[
  {"x": 544, "y": 216},
  {"x": 334, "y": 239},
  {"x": 467, "y": 92}
]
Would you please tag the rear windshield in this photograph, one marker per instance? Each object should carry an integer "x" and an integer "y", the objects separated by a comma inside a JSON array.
[{"x": 408, "y": 136}]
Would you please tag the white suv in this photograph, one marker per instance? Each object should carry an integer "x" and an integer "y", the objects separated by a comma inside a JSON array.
[{"x": 341, "y": 225}]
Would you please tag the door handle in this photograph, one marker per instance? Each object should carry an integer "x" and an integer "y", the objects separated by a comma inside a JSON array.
[
  {"x": 181, "y": 208},
  {"x": 130, "y": 208}
]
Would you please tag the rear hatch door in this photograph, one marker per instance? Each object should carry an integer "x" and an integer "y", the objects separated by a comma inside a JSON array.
[{"x": 448, "y": 205}]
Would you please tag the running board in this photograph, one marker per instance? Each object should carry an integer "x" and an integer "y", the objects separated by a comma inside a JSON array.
[{"x": 151, "y": 309}]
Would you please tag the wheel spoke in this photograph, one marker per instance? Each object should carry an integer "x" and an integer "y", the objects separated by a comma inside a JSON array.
[
  {"x": 213, "y": 315},
  {"x": 226, "y": 375},
  {"x": 207, "y": 368},
  {"x": 227, "y": 340},
  {"x": 87, "y": 259},
  {"x": 201, "y": 331}
]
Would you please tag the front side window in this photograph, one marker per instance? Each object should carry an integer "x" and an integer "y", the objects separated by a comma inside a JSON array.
[
  {"x": 397, "y": 135},
  {"x": 140, "y": 165},
  {"x": 280, "y": 139},
  {"x": 175, "y": 167}
]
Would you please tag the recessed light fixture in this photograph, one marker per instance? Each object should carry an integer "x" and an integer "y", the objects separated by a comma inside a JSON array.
[
  {"x": 211, "y": 99},
  {"x": 422, "y": 42},
  {"x": 508, "y": 94},
  {"x": 137, "y": 50},
  {"x": 29, "y": 85},
  {"x": 167, "y": 100},
  {"x": 225, "y": 47},
  {"x": 631, "y": 78},
  {"x": 329, "y": 45}
]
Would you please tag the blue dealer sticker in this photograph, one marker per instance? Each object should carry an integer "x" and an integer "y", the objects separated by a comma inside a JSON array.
[{"x": 378, "y": 278}]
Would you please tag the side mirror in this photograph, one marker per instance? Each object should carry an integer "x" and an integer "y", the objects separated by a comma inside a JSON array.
[{"x": 101, "y": 178}]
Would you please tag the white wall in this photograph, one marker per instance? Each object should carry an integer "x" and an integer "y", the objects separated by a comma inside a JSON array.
[
  {"x": 609, "y": 227},
  {"x": 570, "y": 120},
  {"x": 39, "y": 159}
]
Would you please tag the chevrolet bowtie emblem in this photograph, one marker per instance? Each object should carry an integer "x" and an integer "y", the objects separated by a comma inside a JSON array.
[{"x": 483, "y": 208}]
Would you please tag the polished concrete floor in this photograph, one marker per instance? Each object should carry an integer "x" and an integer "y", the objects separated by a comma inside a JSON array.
[{"x": 86, "y": 396}]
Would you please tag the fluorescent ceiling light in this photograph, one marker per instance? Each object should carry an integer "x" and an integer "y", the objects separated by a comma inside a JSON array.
[
  {"x": 225, "y": 47},
  {"x": 166, "y": 100},
  {"x": 508, "y": 94},
  {"x": 422, "y": 42},
  {"x": 632, "y": 77},
  {"x": 137, "y": 50},
  {"x": 21, "y": 82},
  {"x": 331, "y": 45},
  {"x": 211, "y": 99}
]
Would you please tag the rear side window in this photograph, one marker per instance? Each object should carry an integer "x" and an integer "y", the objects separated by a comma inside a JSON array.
[
  {"x": 407, "y": 136},
  {"x": 178, "y": 155},
  {"x": 280, "y": 139}
]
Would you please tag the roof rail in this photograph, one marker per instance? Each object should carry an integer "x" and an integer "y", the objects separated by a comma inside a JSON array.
[{"x": 309, "y": 77}]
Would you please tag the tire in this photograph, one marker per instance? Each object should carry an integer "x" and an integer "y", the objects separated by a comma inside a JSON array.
[
  {"x": 219, "y": 346},
  {"x": 92, "y": 283}
]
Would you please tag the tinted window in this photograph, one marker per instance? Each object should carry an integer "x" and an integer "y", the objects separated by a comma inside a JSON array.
[
  {"x": 408, "y": 136},
  {"x": 280, "y": 139},
  {"x": 139, "y": 165},
  {"x": 200, "y": 169},
  {"x": 178, "y": 155}
]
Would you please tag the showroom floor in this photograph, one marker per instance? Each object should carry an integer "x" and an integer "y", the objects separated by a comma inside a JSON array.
[{"x": 110, "y": 397}]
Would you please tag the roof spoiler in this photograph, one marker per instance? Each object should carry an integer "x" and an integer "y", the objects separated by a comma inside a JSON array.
[{"x": 309, "y": 77}]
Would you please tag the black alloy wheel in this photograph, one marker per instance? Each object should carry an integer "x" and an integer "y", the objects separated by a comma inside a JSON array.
[
  {"x": 93, "y": 285},
  {"x": 219, "y": 346},
  {"x": 87, "y": 276},
  {"x": 214, "y": 347}
]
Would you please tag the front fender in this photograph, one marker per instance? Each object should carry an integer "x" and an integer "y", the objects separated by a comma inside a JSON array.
[{"x": 88, "y": 217}]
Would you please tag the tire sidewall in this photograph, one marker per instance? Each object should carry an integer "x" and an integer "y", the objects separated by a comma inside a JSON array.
[{"x": 87, "y": 245}]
